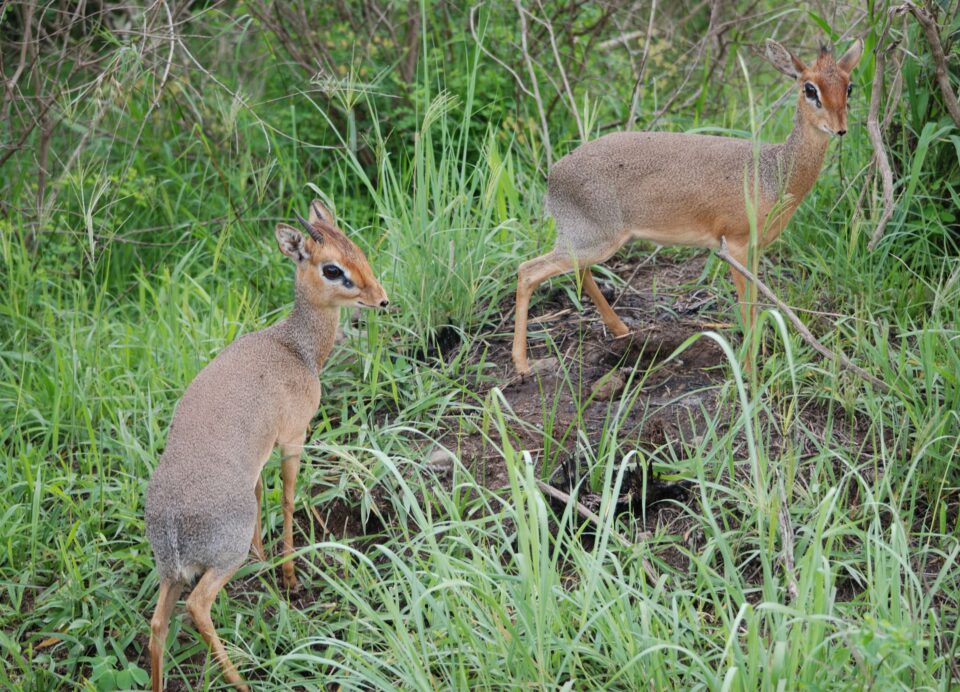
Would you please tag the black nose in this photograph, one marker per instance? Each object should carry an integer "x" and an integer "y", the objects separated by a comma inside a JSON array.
[
  {"x": 384, "y": 303},
  {"x": 841, "y": 132}
]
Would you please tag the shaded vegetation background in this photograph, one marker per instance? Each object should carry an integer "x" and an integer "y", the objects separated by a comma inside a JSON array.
[{"x": 147, "y": 152}]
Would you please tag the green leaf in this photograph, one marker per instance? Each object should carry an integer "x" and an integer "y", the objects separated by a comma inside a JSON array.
[{"x": 822, "y": 23}]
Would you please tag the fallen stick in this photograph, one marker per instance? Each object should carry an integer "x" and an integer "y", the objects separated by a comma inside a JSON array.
[
  {"x": 845, "y": 362},
  {"x": 585, "y": 512}
]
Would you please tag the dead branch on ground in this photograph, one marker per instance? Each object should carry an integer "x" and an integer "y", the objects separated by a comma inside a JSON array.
[{"x": 801, "y": 328}]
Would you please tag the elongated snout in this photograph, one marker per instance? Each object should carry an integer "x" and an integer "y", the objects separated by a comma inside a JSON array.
[
  {"x": 383, "y": 300},
  {"x": 374, "y": 297},
  {"x": 840, "y": 125}
]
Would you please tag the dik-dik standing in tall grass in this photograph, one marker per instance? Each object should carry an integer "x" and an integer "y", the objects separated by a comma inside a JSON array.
[
  {"x": 203, "y": 502},
  {"x": 685, "y": 189}
]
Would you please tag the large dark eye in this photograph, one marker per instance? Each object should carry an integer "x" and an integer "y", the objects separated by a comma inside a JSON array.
[
  {"x": 849, "y": 90},
  {"x": 810, "y": 91},
  {"x": 332, "y": 272}
]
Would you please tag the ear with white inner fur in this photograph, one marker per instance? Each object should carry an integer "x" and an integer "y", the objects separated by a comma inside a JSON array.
[
  {"x": 850, "y": 59},
  {"x": 291, "y": 242},
  {"x": 784, "y": 60},
  {"x": 319, "y": 213}
]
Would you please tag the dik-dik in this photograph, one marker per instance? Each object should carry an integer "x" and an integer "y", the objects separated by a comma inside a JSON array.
[
  {"x": 685, "y": 189},
  {"x": 203, "y": 502}
]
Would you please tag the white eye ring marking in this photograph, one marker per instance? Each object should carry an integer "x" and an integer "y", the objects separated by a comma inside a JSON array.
[{"x": 333, "y": 273}]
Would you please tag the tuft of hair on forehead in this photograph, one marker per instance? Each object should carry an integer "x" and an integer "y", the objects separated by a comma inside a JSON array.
[
  {"x": 825, "y": 58},
  {"x": 826, "y": 63},
  {"x": 336, "y": 240}
]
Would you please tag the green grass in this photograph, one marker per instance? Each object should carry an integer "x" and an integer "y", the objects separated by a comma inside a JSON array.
[{"x": 815, "y": 559}]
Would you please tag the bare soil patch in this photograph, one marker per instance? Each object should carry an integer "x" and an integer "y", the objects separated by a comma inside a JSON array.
[{"x": 668, "y": 404}]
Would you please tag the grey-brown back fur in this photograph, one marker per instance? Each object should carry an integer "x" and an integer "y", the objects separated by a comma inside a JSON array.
[
  {"x": 674, "y": 189},
  {"x": 201, "y": 509},
  {"x": 690, "y": 189},
  {"x": 686, "y": 189}
]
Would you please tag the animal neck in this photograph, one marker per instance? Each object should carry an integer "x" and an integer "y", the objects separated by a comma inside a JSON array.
[
  {"x": 310, "y": 330},
  {"x": 801, "y": 157}
]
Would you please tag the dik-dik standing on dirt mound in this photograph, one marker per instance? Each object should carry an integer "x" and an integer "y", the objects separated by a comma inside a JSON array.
[
  {"x": 203, "y": 502},
  {"x": 685, "y": 189}
]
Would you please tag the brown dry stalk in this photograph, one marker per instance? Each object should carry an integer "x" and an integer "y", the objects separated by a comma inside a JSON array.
[
  {"x": 693, "y": 64},
  {"x": 787, "y": 539},
  {"x": 876, "y": 138},
  {"x": 801, "y": 328},
  {"x": 548, "y": 26},
  {"x": 635, "y": 97},
  {"x": 534, "y": 83}
]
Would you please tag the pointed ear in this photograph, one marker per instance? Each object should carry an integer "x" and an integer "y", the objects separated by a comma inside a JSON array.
[
  {"x": 784, "y": 60},
  {"x": 291, "y": 242},
  {"x": 850, "y": 59},
  {"x": 320, "y": 214}
]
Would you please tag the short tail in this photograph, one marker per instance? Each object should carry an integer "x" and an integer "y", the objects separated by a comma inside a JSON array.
[{"x": 162, "y": 532}]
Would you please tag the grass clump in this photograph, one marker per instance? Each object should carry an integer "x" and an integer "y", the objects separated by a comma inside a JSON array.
[{"x": 812, "y": 537}]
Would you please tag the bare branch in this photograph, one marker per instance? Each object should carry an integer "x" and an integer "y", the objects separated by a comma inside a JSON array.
[
  {"x": 896, "y": 88},
  {"x": 476, "y": 39},
  {"x": 876, "y": 138},
  {"x": 943, "y": 74},
  {"x": 528, "y": 61},
  {"x": 563, "y": 73},
  {"x": 801, "y": 328},
  {"x": 701, "y": 46},
  {"x": 11, "y": 84},
  {"x": 635, "y": 97},
  {"x": 408, "y": 67}
]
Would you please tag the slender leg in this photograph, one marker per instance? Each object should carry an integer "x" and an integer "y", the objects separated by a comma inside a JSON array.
[
  {"x": 747, "y": 312},
  {"x": 257, "y": 544},
  {"x": 198, "y": 605},
  {"x": 289, "y": 465},
  {"x": 531, "y": 275},
  {"x": 159, "y": 624},
  {"x": 609, "y": 317}
]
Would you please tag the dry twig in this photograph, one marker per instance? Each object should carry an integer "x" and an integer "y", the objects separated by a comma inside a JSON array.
[
  {"x": 786, "y": 537},
  {"x": 801, "y": 328},
  {"x": 476, "y": 39},
  {"x": 929, "y": 25},
  {"x": 563, "y": 73},
  {"x": 528, "y": 61},
  {"x": 876, "y": 138},
  {"x": 692, "y": 65},
  {"x": 635, "y": 97}
]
